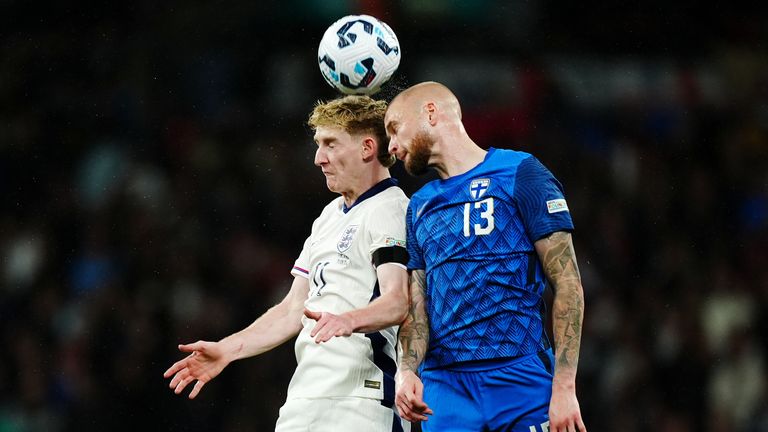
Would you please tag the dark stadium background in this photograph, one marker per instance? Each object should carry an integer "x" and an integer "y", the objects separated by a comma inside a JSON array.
[{"x": 157, "y": 182}]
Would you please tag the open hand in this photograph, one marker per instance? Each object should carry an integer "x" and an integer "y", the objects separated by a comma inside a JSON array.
[
  {"x": 329, "y": 325},
  {"x": 203, "y": 364}
]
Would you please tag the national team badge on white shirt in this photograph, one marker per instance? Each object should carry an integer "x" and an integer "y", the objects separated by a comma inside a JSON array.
[{"x": 346, "y": 238}]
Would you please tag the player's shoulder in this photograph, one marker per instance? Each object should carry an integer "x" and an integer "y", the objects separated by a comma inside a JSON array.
[
  {"x": 394, "y": 193},
  {"x": 507, "y": 157},
  {"x": 427, "y": 190},
  {"x": 390, "y": 200},
  {"x": 498, "y": 163},
  {"x": 520, "y": 165}
]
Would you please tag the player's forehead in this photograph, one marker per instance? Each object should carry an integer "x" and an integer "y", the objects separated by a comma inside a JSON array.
[
  {"x": 328, "y": 133},
  {"x": 394, "y": 113}
]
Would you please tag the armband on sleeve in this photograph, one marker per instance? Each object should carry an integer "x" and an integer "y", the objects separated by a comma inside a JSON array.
[{"x": 391, "y": 254}]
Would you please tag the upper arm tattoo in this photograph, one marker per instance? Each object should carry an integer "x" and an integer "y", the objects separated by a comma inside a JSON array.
[
  {"x": 559, "y": 258},
  {"x": 414, "y": 333},
  {"x": 559, "y": 261}
]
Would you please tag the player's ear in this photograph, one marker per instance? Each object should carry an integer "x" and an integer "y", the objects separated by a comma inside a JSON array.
[
  {"x": 431, "y": 110},
  {"x": 368, "y": 148}
]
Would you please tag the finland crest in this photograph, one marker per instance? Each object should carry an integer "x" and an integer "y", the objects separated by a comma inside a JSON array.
[
  {"x": 478, "y": 187},
  {"x": 346, "y": 238}
]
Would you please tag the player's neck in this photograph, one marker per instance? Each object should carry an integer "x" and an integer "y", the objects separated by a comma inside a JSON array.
[
  {"x": 459, "y": 158},
  {"x": 363, "y": 185}
]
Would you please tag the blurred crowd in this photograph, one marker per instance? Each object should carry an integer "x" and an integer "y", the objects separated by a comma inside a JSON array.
[{"x": 157, "y": 184}]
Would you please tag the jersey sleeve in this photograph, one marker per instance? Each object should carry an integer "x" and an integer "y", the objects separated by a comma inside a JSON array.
[
  {"x": 415, "y": 254},
  {"x": 386, "y": 229},
  {"x": 540, "y": 200},
  {"x": 301, "y": 266}
]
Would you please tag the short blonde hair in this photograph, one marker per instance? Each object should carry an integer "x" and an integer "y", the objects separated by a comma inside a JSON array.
[{"x": 355, "y": 115}]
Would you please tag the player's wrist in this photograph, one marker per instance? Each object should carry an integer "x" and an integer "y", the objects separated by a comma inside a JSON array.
[
  {"x": 352, "y": 319},
  {"x": 564, "y": 383},
  {"x": 232, "y": 348},
  {"x": 408, "y": 367}
]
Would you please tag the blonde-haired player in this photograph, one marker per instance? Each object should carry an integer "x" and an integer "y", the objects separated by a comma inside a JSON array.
[{"x": 349, "y": 280}]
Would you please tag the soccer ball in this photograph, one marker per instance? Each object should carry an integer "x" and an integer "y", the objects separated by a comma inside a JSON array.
[{"x": 357, "y": 54}]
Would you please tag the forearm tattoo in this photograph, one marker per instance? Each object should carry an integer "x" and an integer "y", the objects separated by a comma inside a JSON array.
[
  {"x": 414, "y": 333},
  {"x": 568, "y": 307}
]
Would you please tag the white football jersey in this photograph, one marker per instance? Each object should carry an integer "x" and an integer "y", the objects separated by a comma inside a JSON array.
[{"x": 337, "y": 258}]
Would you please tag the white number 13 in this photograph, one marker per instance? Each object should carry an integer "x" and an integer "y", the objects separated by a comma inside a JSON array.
[{"x": 487, "y": 215}]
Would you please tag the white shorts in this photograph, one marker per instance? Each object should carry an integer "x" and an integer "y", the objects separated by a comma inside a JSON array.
[{"x": 349, "y": 414}]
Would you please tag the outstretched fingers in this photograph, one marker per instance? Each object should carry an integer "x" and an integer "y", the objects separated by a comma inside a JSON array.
[
  {"x": 312, "y": 315},
  {"x": 320, "y": 330},
  {"x": 580, "y": 424},
  {"x": 326, "y": 327},
  {"x": 196, "y": 346},
  {"x": 196, "y": 389},
  {"x": 183, "y": 363},
  {"x": 183, "y": 383},
  {"x": 178, "y": 377},
  {"x": 179, "y": 365},
  {"x": 321, "y": 323},
  {"x": 199, "y": 367}
]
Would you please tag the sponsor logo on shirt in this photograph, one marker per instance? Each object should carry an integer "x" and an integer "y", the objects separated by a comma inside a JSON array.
[
  {"x": 391, "y": 241},
  {"x": 557, "y": 205},
  {"x": 346, "y": 238},
  {"x": 342, "y": 260},
  {"x": 478, "y": 187}
]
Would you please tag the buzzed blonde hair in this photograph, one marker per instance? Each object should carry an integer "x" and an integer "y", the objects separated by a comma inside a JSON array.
[{"x": 356, "y": 115}]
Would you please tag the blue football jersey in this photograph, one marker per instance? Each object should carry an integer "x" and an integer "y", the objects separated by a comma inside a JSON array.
[{"x": 473, "y": 234}]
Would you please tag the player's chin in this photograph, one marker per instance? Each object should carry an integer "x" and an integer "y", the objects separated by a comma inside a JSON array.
[{"x": 415, "y": 167}]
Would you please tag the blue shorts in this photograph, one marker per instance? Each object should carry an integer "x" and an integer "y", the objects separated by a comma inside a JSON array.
[{"x": 505, "y": 396}]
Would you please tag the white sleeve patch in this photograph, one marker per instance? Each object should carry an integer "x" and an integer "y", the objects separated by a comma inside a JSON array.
[
  {"x": 391, "y": 241},
  {"x": 557, "y": 205}
]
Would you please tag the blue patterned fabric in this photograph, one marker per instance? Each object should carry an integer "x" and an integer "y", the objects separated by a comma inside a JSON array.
[{"x": 474, "y": 235}]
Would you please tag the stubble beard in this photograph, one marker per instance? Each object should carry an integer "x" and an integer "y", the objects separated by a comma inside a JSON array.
[{"x": 419, "y": 153}]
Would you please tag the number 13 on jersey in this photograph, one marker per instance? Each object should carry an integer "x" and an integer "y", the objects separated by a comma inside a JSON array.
[{"x": 485, "y": 207}]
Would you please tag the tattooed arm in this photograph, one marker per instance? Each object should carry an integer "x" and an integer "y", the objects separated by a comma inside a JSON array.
[
  {"x": 414, "y": 339},
  {"x": 414, "y": 333},
  {"x": 559, "y": 260}
]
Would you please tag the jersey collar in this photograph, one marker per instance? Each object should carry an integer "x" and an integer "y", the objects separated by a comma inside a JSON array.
[{"x": 378, "y": 187}]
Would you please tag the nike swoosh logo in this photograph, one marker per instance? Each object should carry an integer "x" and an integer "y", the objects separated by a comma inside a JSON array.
[{"x": 421, "y": 209}]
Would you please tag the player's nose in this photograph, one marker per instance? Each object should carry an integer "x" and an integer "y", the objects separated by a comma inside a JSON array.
[
  {"x": 393, "y": 148},
  {"x": 320, "y": 157}
]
